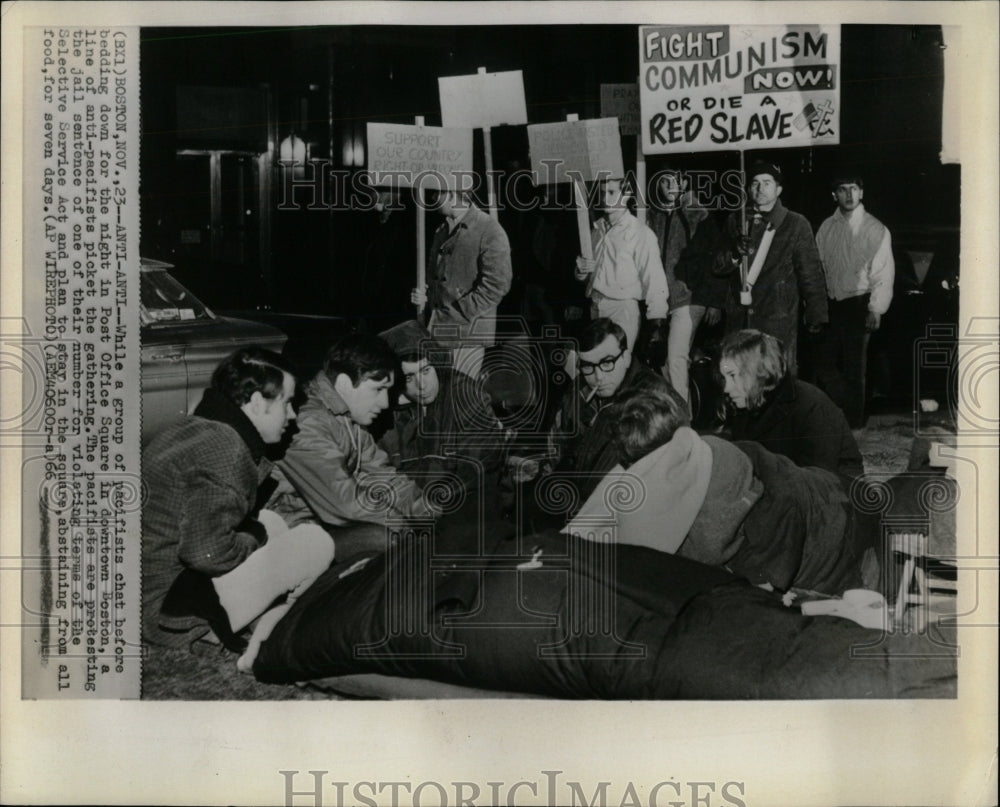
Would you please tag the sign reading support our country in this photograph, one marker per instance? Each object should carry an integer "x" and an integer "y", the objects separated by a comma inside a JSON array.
[
  {"x": 404, "y": 156},
  {"x": 736, "y": 87}
]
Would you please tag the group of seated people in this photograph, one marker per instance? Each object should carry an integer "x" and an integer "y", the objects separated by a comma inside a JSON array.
[{"x": 231, "y": 539}]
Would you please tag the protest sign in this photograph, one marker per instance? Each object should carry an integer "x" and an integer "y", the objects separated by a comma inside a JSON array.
[
  {"x": 482, "y": 100},
  {"x": 404, "y": 156},
  {"x": 621, "y": 101},
  {"x": 729, "y": 87},
  {"x": 578, "y": 149}
]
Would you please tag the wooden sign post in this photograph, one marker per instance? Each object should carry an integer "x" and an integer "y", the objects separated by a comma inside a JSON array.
[
  {"x": 576, "y": 151},
  {"x": 418, "y": 192},
  {"x": 482, "y": 101},
  {"x": 403, "y": 156}
]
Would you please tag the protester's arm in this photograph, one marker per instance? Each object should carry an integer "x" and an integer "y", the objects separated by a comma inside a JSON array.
[
  {"x": 493, "y": 276},
  {"x": 376, "y": 476},
  {"x": 335, "y": 485},
  {"x": 652, "y": 278},
  {"x": 880, "y": 279},
  {"x": 215, "y": 533},
  {"x": 809, "y": 271}
]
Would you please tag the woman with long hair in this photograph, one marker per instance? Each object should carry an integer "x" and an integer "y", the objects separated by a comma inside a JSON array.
[{"x": 766, "y": 404}]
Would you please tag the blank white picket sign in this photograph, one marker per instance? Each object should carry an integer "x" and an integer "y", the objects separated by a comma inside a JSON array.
[{"x": 483, "y": 99}]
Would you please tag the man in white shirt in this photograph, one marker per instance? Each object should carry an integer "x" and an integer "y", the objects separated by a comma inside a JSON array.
[
  {"x": 625, "y": 270},
  {"x": 856, "y": 250}
]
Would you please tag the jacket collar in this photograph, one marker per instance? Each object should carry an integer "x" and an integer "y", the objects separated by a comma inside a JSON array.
[
  {"x": 321, "y": 388},
  {"x": 471, "y": 216},
  {"x": 217, "y": 407},
  {"x": 778, "y": 401},
  {"x": 776, "y": 215}
]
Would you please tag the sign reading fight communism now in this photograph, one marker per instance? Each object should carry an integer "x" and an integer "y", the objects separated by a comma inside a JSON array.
[
  {"x": 406, "y": 156},
  {"x": 738, "y": 87}
]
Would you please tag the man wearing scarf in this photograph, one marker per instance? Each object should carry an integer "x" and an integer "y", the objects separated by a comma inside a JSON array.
[{"x": 788, "y": 274}]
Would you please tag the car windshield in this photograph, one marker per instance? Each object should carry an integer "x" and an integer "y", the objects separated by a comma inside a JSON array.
[{"x": 166, "y": 300}]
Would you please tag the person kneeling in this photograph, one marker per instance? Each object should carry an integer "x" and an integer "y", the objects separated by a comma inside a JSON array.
[{"x": 210, "y": 561}]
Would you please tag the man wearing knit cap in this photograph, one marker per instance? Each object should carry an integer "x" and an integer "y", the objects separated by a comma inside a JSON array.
[
  {"x": 784, "y": 269},
  {"x": 856, "y": 249},
  {"x": 444, "y": 431}
]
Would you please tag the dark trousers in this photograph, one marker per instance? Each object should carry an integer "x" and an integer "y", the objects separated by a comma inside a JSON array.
[{"x": 842, "y": 357}]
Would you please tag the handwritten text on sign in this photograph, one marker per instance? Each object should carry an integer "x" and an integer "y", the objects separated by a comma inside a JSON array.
[
  {"x": 587, "y": 149},
  {"x": 427, "y": 156},
  {"x": 622, "y": 101},
  {"x": 723, "y": 88}
]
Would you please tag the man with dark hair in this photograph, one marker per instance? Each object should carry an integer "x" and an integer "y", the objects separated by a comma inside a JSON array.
[
  {"x": 468, "y": 274},
  {"x": 210, "y": 558},
  {"x": 626, "y": 270},
  {"x": 333, "y": 471},
  {"x": 581, "y": 440},
  {"x": 856, "y": 250},
  {"x": 784, "y": 272},
  {"x": 444, "y": 430}
]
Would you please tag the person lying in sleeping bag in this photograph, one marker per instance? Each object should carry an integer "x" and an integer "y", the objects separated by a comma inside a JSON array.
[{"x": 735, "y": 505}]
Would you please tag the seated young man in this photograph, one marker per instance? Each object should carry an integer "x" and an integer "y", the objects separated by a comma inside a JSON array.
[
  {"x": 735, "y": 505},
  {"x": 333, "y": 471},
  {"x": 444, "y": 431},
  {"x": 209, "y": 559},
  {"x": 581, "y": 440}
]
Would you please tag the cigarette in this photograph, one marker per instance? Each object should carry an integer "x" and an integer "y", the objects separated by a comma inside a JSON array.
[{"x": 591, "y": 394}]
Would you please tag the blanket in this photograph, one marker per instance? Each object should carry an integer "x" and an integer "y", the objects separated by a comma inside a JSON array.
[{"x": 561, "y": 617}]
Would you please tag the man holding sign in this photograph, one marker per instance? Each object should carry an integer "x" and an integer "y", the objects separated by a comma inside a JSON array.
[
  {"x": 469, "y": 272},
  {"x": 784, "y": 270},
  {"x": 625, "y": 270}
]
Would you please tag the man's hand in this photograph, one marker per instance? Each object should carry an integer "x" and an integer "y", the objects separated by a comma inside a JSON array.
[
  {"x": 419, "y": 296},
  {"x": 712, "y": 316},
  {"x": 585, "y": 267},
  {"x": 872, "y": 321},
  {"x": 743, "y": 246},
  {"x": 815, "y": 328}
]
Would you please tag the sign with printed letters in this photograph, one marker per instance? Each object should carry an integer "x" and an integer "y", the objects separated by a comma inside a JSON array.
[{"x": 738, "y": 87}]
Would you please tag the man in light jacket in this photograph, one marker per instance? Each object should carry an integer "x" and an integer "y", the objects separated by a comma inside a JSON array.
[
  {"x": 333, "y": 471},
  {"x": 856, "y": 250}
]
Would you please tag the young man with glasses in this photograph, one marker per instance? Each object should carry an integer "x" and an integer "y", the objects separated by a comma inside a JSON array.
[{"x": 581, "y": 440}]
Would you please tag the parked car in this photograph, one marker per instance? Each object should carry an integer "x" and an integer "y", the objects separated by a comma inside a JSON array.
[{"x": 183, "y": 341}]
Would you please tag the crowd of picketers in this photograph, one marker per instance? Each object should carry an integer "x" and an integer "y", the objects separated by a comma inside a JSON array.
[{"x": 399, "y": 427}]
